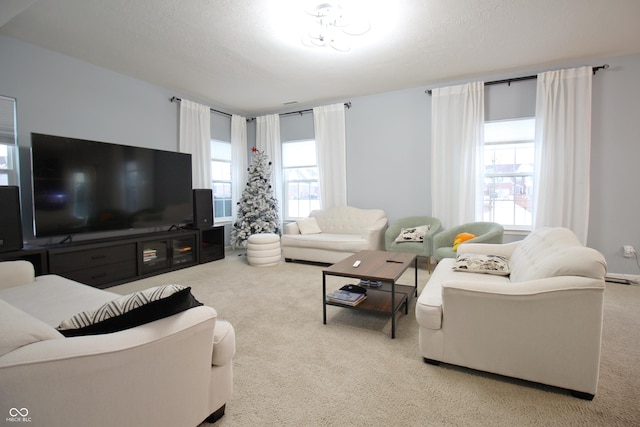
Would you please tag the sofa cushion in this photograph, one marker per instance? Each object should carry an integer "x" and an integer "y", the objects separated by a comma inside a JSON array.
[
  {"x": 336, "y": 242},
  {"x": 308, "y": 226},
  {"x": 131, "y": 310},
  {"x": 552, "y": 252},
  {"x": 20, "y": 329},
  {"x": 480, "y": 263},
  {"x": 570, "y": 261},
  {"x": 412, "y": 234}
]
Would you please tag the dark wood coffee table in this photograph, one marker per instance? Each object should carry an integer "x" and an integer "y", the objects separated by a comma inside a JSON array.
[{"x": 386, "y": 267}]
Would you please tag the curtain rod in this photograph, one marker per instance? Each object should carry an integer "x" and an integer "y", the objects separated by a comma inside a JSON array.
[
  {"x": 176, "y": 99},
  {"x": 301, "y": 112},
  {"x": 519, "y": 79}
]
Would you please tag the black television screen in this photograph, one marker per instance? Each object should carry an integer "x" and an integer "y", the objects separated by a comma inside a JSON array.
[{"x": 82, "y": 186}]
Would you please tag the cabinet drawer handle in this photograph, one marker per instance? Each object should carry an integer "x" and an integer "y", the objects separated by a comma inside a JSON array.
[
  {"x": 97, "y": 276},
  {"x": 98, "y": 256}
]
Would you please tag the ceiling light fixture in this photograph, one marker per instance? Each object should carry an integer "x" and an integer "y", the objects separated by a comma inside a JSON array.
[{"x": 331, "y": 26}]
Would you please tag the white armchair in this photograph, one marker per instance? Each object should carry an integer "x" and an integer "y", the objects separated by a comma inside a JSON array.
[
  {"x": 173, "y": 371},
  {"x": 542, "y": 323}
]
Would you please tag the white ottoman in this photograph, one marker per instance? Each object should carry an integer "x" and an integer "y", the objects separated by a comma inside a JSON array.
[{"x": 263, "y": 249}]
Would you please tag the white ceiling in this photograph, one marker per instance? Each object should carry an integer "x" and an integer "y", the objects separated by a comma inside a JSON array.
[{"x": 246, "y": 55}]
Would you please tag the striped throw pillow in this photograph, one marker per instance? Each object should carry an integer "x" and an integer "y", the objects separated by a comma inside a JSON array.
[{"x": 130, "y": 310}]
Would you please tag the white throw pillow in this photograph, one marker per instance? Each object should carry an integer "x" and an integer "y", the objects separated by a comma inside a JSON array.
[
  {"x": 412, "y": 234},
  {"x": 488, "y": 264},
  {"x": 308, "y": 226},
  {"x": 20, "y": 329}
]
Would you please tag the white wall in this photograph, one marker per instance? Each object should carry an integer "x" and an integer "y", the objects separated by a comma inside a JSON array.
[
  {"x": 388, "y": 150},
  {"x": 615, "y": 175},
  {"x": 388, "y": 134},
  {"x": 60, "y": 95}
]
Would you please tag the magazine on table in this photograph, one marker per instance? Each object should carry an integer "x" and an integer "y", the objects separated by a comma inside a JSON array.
[{"x": 345, "y": 297}]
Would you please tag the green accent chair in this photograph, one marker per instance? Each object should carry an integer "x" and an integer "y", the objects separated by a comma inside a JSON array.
[
  {"x": 485, "y": 232},
  {"x": 424, "y": 248}
]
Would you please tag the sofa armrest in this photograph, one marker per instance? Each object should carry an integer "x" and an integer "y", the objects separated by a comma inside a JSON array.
[
  {"x": 166, "y": 361},
  {"x": 130, "y": 339},
  {"x": 224, "y": 343},
  {"x": 16, "y": 273},
  {"x": 291, "y": 228},
  {"x": 532, "y": 287},
  {"x": 547, "y": 331},
  {"x": 502, "y": 249},
  {"x": 374, "y": 234}
]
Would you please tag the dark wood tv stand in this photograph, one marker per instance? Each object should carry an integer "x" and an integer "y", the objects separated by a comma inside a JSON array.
[
  {"x": 111, "y": 261},
  {"x": 211, "y": 243}
]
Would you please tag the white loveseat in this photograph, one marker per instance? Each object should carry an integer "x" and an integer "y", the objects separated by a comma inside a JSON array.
[
  {"x": 175, "y": 371},
  {"x": 331, "y": 235},
  {"x": 541, "y": 323}
]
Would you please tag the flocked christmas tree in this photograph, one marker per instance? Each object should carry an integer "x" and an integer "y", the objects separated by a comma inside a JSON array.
[{"x": 258, "y": 208}]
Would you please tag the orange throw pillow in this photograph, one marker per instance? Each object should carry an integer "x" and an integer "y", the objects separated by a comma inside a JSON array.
[{"x": 460, "y": 238}]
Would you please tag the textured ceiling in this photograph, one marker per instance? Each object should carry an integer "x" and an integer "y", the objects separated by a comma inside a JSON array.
[{"x": 246, "y": 55}]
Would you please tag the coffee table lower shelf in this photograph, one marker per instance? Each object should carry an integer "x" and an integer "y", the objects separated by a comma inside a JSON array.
[{"x": 380, "y": 301}]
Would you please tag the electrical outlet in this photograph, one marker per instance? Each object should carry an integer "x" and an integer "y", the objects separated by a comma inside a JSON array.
[{"x": 629, "y": 251}]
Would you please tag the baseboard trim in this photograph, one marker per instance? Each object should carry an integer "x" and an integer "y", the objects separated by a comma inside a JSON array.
[{"x": 623, "y": 279}]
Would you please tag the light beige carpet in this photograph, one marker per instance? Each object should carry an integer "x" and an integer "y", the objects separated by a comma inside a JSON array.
[{"x": 291, "y": 370}]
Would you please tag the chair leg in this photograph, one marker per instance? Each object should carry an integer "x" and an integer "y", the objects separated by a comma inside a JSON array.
[{"x": 429, "y": 265}]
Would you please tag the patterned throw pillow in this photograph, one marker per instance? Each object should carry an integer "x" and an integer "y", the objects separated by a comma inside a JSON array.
[
  {"x": 130, "y": 311},
  {"x": 412, "y": 234},
  {"x": 488, "y": 264}
]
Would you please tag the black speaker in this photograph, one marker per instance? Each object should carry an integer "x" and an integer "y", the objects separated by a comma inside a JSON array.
[
  {"x": 10, "y": 222},
  {"x": 202, "y": 208}
]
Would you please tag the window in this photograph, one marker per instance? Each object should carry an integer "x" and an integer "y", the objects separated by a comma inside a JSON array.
[
  {"x": 221, "y": 179},
  {"x": 300, "y": 171},
  {"x": 508, "y": 172},
  {"x": 8, "y": 148}
]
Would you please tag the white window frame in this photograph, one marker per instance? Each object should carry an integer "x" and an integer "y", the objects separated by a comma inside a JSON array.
[
  {"x": 8, "y": 142},
  {"x": 492, "y": 196},
  {"x": 292, "y": 213},
  {"x": 222, "y": 157}
]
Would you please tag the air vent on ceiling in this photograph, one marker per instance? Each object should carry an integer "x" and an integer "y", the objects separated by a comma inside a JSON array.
[{"x": 290, "y": 103}]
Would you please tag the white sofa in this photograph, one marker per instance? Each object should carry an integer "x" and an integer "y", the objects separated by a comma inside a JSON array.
[
  {"x": 334, "y": 234},
  {"x": 542, "y": 323},
  {"x": 176, "y": 371}
]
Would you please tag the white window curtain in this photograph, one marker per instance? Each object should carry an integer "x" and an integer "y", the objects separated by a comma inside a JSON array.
[
  {"x": 330, "y": 134},
  {"x": 238, "y": 160},
  {"x": 457, "y": 128},
  {"x": 268, "y": 141},
  {"x": 195, "y": 139},
  {"x": 563, "y": 149}
]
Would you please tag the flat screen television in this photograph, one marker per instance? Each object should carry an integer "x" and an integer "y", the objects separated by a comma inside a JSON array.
[{"x": 82, "y": 186}]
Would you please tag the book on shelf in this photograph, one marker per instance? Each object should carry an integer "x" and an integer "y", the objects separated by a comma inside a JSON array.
[
  {"x": 149, "y": 255},
  {"x": 345, "y": 297}
]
